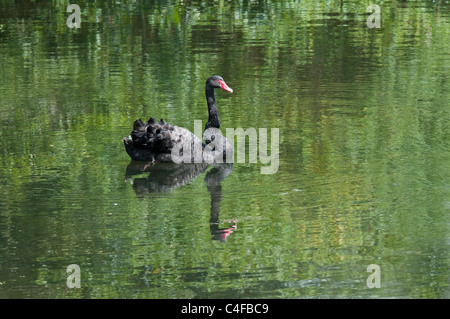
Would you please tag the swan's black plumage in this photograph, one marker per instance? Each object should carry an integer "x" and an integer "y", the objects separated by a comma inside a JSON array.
[{"x": 154, "y": 141}]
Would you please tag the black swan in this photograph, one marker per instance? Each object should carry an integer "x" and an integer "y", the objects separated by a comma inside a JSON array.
[{"x": 154, "y": 141}]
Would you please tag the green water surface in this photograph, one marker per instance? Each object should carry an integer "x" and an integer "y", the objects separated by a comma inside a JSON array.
[{"x": 363, "y": 178}]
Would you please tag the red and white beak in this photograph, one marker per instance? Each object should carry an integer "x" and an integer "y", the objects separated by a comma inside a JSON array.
[{"x": 224, "y": 86}]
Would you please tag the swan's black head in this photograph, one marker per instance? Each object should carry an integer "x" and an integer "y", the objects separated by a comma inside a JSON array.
[{"x": 217, "y": 82}]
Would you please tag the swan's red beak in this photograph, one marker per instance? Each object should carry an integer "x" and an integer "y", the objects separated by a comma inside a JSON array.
[{"x": 224, "y": 86}]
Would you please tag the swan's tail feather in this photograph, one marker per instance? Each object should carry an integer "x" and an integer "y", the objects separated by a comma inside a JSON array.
[
  {"x": 138, "y": 124},
  {"x": 152, "y": 121},
  {"x": 139, "y": 135},
  {"x": 153, "y": 135},
  {"x": 159, "y": 139}
]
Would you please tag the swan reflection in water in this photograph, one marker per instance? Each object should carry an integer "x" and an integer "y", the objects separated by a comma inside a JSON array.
[{"x": 165, "y": 177}]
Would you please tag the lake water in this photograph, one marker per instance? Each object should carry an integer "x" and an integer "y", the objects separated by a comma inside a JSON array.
[{"x": 363, "y": 178}]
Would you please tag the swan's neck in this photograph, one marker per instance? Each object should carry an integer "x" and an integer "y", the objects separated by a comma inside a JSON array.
[{"x": 213, "y": 112}]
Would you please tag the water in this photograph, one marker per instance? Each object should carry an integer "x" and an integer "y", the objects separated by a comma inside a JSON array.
[{"x": 363, "y": 175}]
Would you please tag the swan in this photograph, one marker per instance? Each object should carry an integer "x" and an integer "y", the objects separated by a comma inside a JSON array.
[{"x": 155, "y": 141}]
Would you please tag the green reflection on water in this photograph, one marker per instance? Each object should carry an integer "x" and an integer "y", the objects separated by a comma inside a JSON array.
[{"x": 364, "y": 127}]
